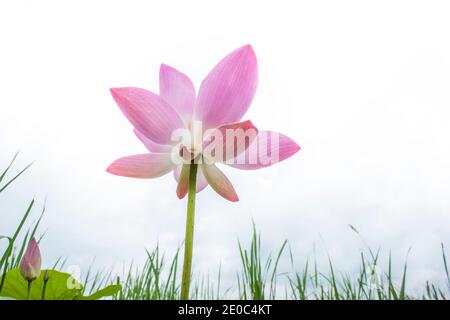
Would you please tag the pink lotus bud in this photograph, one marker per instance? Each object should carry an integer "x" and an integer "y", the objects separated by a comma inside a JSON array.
[{"x": 30, "y": 265}]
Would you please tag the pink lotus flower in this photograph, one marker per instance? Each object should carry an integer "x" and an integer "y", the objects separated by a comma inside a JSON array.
[
  {"x": 30, "y": 265},
  {"x": 222, "y": 100},
  {"x": 188, "y": 134}
]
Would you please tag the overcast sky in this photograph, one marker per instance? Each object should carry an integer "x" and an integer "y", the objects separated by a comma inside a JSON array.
[{"x": 363, "y": 87}]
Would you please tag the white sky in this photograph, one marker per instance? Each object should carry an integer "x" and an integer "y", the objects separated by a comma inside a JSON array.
[{"x": 362, "y": 86}]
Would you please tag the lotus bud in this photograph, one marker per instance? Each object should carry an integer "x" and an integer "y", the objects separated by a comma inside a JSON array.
[{"x": 30, "y": 265}]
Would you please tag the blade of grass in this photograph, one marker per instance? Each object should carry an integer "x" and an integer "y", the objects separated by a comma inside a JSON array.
[
  {"x": 8, "y": 167},
  {"x": 15, "y": 177},
  {"x": 16, "y": 233}
]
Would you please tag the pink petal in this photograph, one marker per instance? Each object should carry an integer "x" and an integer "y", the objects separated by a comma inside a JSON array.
[
  {"x": 269, "y": 148},
  {"x": 228, "y": 90},
  {"x": 229, "y": 141},
  {"x": 177, "y": 172},
  {"x": 30, "y": 264},
  {"x": 152, "y": 146},
  {"x": 201, "y": 180},
  {"x": 177, "y": 90},
  {"x": 183, "y": 183},
  {"x": 149, "y": 165},
  {"x": 148, "y": 113},
  {"x": 219, "y": 182}
]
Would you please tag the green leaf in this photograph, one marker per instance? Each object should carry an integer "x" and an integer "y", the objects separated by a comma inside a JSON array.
[
  {"x": 105, "y": 292},
  {"x": 60, "y": 286}
]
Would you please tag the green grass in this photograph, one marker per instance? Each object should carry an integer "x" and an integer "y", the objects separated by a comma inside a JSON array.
[
  {"x": 258, "y": 278},
  {"x": 151, "y": 282},
  {"x": 10, "y": 258}
]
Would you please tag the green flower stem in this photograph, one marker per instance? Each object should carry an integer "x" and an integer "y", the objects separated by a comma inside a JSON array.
[
  {"x": 189, "y": 238},
  {"x": 44, "y": 286},
  {"x": 29, "y": 289}
]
